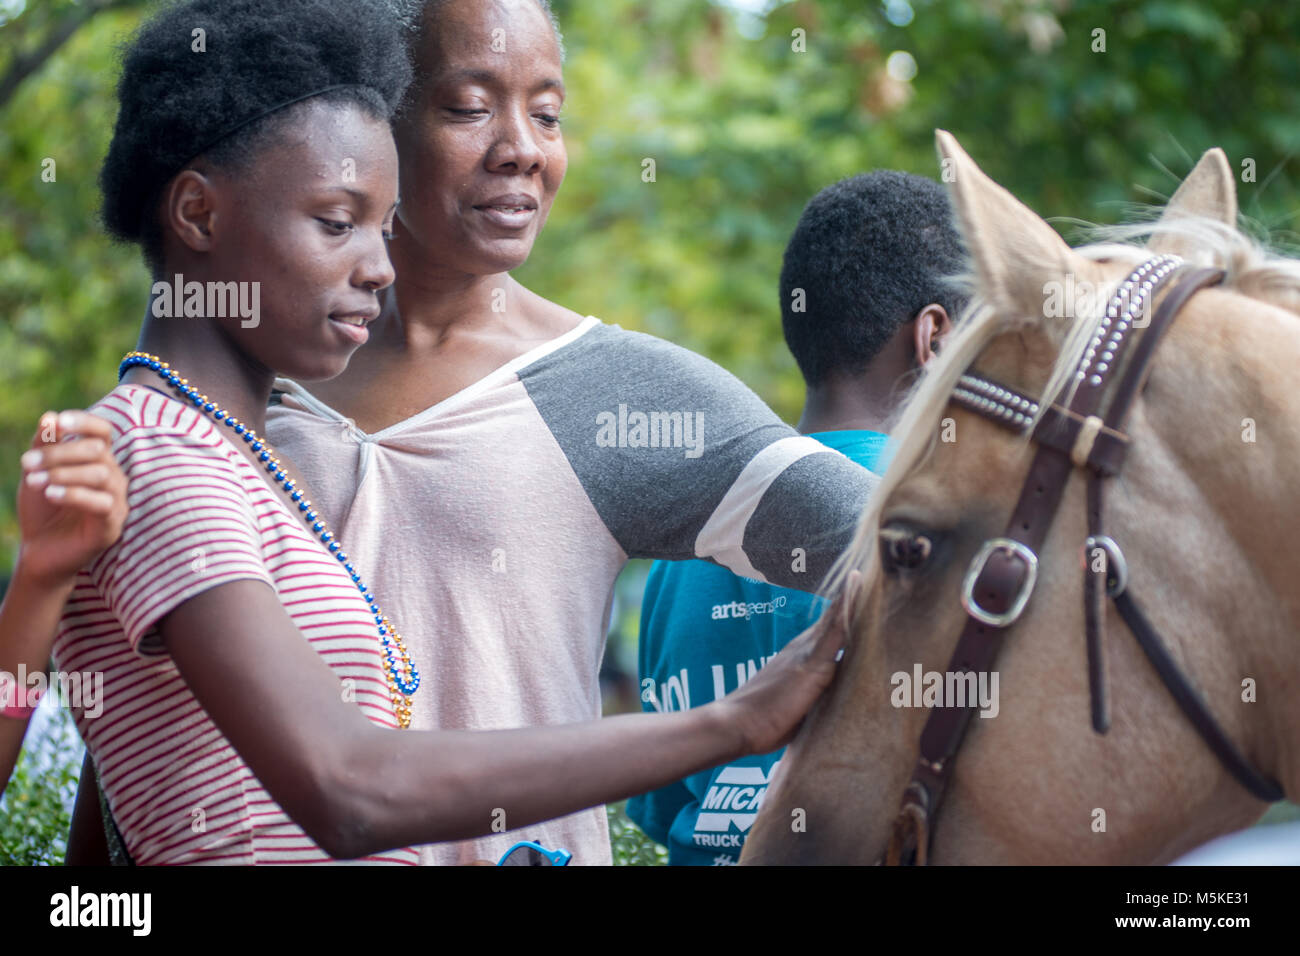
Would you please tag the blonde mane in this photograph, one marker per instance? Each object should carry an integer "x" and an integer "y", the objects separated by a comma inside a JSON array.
[{"x": 1251, "y": 270}]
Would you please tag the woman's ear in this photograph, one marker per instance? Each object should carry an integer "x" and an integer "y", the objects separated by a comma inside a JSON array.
[
  {"x": 929, "y": 328},
  {"x": 189, "y": 209}
]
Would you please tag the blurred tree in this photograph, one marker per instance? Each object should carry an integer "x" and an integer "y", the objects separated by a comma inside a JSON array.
[
  {"x": 35, "y": 38},
  {"x": 70, "y": 301}
]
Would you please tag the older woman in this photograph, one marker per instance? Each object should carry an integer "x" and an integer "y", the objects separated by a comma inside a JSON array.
[{"x": 494, "y": 458}]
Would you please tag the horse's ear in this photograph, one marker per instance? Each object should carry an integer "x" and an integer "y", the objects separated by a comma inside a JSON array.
[
  {"x": 1209, "y": 191},
  {"x": 1014, "y": 252}
]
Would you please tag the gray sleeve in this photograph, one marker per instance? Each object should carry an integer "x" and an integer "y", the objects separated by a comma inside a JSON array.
[{"x": 681, "y": 460}]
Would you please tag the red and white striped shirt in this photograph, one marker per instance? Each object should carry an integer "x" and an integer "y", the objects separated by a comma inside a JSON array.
[{"x": 200, "y": 516}]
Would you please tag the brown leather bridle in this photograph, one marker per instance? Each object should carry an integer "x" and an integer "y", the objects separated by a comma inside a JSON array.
[{"x": 1070, "y": 433}]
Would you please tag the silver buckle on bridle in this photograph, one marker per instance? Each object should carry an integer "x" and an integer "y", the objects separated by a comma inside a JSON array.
[
  {"x": 1009, "y": 616},
  {"x": 1116, "y": 566}
]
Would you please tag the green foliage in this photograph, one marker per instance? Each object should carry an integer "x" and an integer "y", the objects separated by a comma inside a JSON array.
[
  {"x": 70, "y": 301},
  {"x": 631, "y": 847},
  {"x": 36, "y": 809}
]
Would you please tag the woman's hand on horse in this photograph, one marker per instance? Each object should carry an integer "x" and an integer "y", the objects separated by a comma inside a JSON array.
[{"x": 769, "y": 707}]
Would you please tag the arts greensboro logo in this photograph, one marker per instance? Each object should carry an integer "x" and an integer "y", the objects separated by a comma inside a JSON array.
[{"x": 740, "y": 609}]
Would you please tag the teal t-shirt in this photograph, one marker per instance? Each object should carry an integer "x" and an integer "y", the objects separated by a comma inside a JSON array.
[{"x": 704, "y": 632}]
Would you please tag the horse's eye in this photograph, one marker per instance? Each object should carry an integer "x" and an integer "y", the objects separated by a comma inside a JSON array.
[{"x": 902, "y": 549}]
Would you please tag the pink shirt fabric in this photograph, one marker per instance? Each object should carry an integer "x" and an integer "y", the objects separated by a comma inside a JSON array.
[
  {"x": 500, "y": 641},
  {"x": 200, "y": 517}
]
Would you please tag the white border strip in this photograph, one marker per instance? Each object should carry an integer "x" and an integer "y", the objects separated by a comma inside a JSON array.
[{"x": 723, "y": 535}]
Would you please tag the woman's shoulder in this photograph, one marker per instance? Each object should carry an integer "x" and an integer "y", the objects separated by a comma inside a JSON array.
[
  {"x": 609, "y": 348},
  {"x": 131, "y": 405},
  {"x": 145, "y": 417}
]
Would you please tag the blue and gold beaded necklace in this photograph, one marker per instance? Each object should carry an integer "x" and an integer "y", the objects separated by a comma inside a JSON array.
[{"x": 403, "y": 676}]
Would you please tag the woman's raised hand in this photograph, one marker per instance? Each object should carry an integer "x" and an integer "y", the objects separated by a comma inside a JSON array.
[{"x": 72, "y": 497}]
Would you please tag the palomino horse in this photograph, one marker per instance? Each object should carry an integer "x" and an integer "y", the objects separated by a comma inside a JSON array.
[{"x": 1086, "y": 757}]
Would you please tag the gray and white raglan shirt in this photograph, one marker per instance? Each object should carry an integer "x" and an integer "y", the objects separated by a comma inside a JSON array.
[{"x": 491, "y": 526}]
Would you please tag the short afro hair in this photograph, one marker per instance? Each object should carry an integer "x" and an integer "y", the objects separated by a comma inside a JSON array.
[
  {"x": 412, "y": 14},
  {"x": 867, "y": 255},
  {"x": 220, "y": 93}
]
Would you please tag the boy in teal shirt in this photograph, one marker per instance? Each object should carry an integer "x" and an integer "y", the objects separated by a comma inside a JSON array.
[{"x": 864, "y": 301}]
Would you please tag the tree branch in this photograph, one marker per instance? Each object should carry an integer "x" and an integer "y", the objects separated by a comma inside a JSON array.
[{"x": 25, "y": 64}]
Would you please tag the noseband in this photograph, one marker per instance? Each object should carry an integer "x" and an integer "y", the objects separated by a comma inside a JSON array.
[{"x": 1000, "y": 580}]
